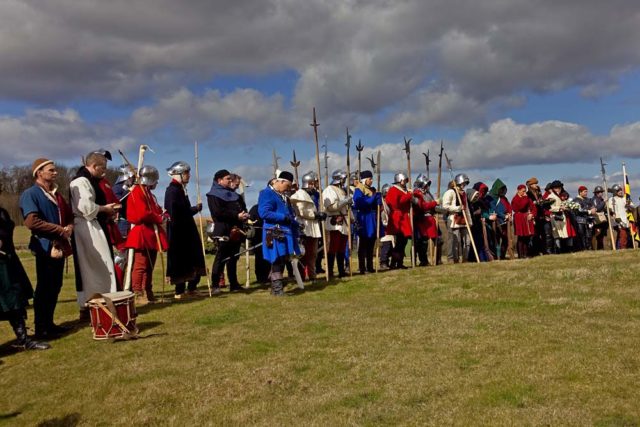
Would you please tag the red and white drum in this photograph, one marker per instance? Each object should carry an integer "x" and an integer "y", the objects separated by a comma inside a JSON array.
[{"x": 113, "y": 315}]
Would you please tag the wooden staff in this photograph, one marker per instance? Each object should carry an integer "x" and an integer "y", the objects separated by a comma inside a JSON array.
[
  {"x": 407, "y": 149},
  {"x": 376, "y": 167},
  {"x": 315, "y": 125},
  {"x": 606, "y": 203},
  {"x": 247, "y": 260},
  {"x": 326, "y": 163},
  {"x": 348, "y": 145},
  {"x": 464, "y": 210},
  {"x": 200, "y": 219}
]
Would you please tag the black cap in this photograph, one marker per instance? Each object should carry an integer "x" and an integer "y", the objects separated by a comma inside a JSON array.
[
  {"x": 286, "y": 176},
  {"x": 556, "y": 184},
  {"x": 366, "y": 174},
  {"x": 221, "y": 174}
]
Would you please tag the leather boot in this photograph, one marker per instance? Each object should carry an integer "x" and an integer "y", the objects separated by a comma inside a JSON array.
[
  {"x": 331, "y": 259},
  {"x": 277, "y": 288},
  {"x": 24, "y": 341},
  {"x": 340, "y": 262}
]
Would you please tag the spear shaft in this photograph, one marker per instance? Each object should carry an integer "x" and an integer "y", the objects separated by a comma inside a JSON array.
[
  {"x": 199, "y": 200},
  {"x": 315, "y": 125},
  {"x": 440, "y": 167},
  {"x": 407, "y": 149},
  {"x": 377, "y": 169},
  {"x": 606, "y": 203},
  {"x": 350, "y": 242}
]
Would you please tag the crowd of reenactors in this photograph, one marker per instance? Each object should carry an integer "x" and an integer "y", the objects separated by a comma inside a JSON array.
[{"x": 116, "y": 231}]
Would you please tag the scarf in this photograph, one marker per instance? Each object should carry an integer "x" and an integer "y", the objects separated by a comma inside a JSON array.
[{"x": 223, "y": 193}]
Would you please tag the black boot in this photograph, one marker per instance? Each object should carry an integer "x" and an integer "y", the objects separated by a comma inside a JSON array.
[
  {"x": 24, "y": 341},
  {"x": 277, "y": 288},
  {"x": 331, "y": 259},
  {"x": 340, "y": 262}
]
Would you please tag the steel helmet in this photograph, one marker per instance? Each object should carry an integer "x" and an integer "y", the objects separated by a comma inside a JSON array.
[
  {"x": 308, "y": 178},
  {"x": 461, "y": 179},
  {"x": 598, "y": 189},
  {"x": 422, "y": 181},
  {"x": 615, "y": 188},
  {"x": 338, "y": 176},
  {"x": 385, "y": 190},
  {"x": 126, "y": 173},
  {"x": 149, "y": 175},
  {"x": 399, "y": 177},
  {"x": 178, "y": 168}
]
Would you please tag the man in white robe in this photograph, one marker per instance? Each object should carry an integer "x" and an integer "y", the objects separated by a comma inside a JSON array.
[{"x": 95, "y": 272}]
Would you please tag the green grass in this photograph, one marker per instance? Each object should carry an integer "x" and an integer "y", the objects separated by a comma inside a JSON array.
[{"x": 545, "y": 341}]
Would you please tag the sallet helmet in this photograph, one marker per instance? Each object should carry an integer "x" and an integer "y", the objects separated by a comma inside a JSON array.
[
  {"x": 308, "y": 178},
  {"x": 399, "y": 177},
  {"x": 149, "y": 175},
  {"x": 126, "y": 173},
  {"x": 598, "y": 189},
  {"x": 615, "y": 188},
  {"x": 178, "y": 168},
  {"x": 338, "y": 176},
  {"x": 422, "y": 181},
  {"x": 461, "y": 179}
]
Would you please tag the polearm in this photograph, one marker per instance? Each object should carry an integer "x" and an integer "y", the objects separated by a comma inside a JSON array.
[
  {"x": 407, "y": 149},
  {"x": 275, "y": 164},
  {"x": 199, "y": 201},
  {"x": 359, "y": 147},
  {"x": 376, "y": 168},
  {"x": 440, "y": 167},
  {"x": 464, "y": 210},
  {"x": 630, "y": 216},
  {"x": 427, "y": 161},
  {"x": 350, "y": 242},
  {"x": 315, "y": 125},
  {"x": 295, "y": 163},
  {"x": 326, "y": 163},
  {"x": 606, "y": 203},
  {"x": 247, "y": 260}
]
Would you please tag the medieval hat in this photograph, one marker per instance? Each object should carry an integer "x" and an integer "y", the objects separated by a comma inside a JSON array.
[
  {"x": 366, "y": 174},
  {"x": 39, "y": 164},
  {"x": 287, "y": 176},
  {"x": 556, "y": 184}
]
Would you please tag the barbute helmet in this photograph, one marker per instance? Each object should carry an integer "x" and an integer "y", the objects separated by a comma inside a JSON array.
[
  {"x": 338, "y": 176},
  {"x": 615, "y": 188},
  {"x": 308, "y": 178},
  {"x": 399, "y": 177},
  {"x": 178, "y": 168},
  {"x": 149, "y": 175},
  {"x": 461, "y": 179},
  {"x": 422, "y": 181}
]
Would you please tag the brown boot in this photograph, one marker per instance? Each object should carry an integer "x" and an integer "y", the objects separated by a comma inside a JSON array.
[{"x": 141, "y": 299}]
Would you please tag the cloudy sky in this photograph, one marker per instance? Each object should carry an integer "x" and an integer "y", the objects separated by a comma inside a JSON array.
[{"x": 514, "y": 89}]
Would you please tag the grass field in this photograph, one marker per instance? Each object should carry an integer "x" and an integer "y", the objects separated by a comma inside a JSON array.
[{"x": 547, "y": 341}]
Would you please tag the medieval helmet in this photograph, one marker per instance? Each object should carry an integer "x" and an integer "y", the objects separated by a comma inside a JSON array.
[
  {"x": 615, "y": 188},
  {"x": 149, "y": 175},
  {"x": 178, "y": 168},
  {"x": 126, "y": 173},
  {"x": 598, "y": 189},
  {"x": 399, "y": 177},
  {"x": 308, "y": 178},
  {"x": 461, "y": 179},
  {"x": 338, "y": 176},
  {"x": 422, "y": 181},
  {"x": 385, "y": 189}
]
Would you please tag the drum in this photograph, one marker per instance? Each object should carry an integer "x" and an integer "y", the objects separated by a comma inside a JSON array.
[{"x": 113, "y": 315}]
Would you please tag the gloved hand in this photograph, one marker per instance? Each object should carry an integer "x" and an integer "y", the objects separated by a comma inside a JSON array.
[{"x": 320, "y": 216}]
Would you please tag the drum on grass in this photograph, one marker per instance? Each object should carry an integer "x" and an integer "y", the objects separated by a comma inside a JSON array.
[{"x": 113, "y": 315}]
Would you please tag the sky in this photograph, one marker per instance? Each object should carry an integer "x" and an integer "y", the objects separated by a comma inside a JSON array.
[{"x": 513, "y": 89}]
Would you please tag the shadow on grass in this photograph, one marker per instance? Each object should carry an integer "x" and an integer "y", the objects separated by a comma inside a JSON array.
[{"x": 67, "y": 420}]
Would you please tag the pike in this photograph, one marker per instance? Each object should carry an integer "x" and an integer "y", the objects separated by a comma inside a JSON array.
[
  {"x": 275, "y": 164},
  {"x": 407, "y": 149},
  {"x": 464, "y": 211},
  {"x": 201, "y": 225},
  {"x": 247, "y": 265},
  {"x": 326, "y": 163},
  {"x": 295, "y": 163},
  {"x": 440, "y": 168},
  {"x": 359, "y": 147},
  {"x": 348, "y": 145},
  {"x": 606, "y": 203},
  {"x": 376, "y": 167},
  {"x": 427, "y": 161},
  {"x": 315, "y": 125}
]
